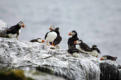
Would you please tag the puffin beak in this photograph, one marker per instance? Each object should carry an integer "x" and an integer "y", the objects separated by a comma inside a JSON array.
[
  {"x": 75, "y": 42},
  {"x": 22, "y": 25},
  {"x": 102, "y": 58},
  {"x": 70, "y": 34},
  {"x": 50, "y": 28},
  {"x": 43, "y": 41}
]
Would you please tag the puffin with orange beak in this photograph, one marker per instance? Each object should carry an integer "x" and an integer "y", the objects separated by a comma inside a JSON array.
[
  {"x": 71, "y": 46},
  {"x": 73, "y": 37},
  {"x": 51, "y": 36},
  {"x": 39, "y": 40},
  {"x": 108, "y": 57},
  {"x": 14, "y": 31}
]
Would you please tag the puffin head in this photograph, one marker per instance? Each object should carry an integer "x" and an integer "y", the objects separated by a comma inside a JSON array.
[
  {"x": 73, "y": 33},
  {"x": 21, "y": 24},
  {"x": 52, "y": 28},
  {"x": 107, "y": 57},
  {"x": 40, "y": 40},
  {"x": 77, "y": 42},
  {"x": 57, "y": 29},
  {"x": 94, "y": 46}
]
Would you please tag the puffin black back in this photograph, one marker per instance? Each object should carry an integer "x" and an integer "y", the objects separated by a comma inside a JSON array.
[
  {"x": 58, "y": 38},
  {"x": 13, "y": 29},
  {"x": 84, "y": 46}
]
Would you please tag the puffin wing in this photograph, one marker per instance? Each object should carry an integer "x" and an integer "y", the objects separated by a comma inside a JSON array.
[
  {"x": 57, "y": 40},
  {"x": 98, "y": 50},
  {"x": 33, "y": 40},
  {"x": 11, "y": 30},
  {"x": 85, "y": 47},
  {"x": 46, "y": 35}
]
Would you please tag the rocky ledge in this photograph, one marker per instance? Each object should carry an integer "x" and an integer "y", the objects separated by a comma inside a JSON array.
[
  {"x": 29, "y": 56},
  {"x": 38, "y": 61}
]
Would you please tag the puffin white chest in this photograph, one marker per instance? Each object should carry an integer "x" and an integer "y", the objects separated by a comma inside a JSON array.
[
  {"x": 12, "y": 35},
  {"x": 20, "y": 31},
  {"x": 80, "y": 49},
  {"x": 94, "y": 53},
  {"x": 51, "y": 36},
  {"x": 39, "y": 40}
]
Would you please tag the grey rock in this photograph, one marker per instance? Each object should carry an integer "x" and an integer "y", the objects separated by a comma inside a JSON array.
[{"x": 26, "y": 54}]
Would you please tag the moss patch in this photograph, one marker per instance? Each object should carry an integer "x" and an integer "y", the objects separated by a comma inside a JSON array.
[{"x": 13, "y": 75}]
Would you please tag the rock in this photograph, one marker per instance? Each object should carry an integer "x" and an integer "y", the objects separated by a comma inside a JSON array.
[
  {"x": 119, "y": 74},
  {"x": 109, "y": 70},
  {"x": 52, "y": 63},
  {"x": 18, "y": 54}
]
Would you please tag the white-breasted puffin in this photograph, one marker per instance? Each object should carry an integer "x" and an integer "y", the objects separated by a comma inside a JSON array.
[
  {"x": 50, "y": 36},
  {"x": 13, "y": 31},
  {"x": 39, "y": 40},
  {"x": 71, "y": 46},
  {"x": 83, "y": 47},
  {"x": 53, "y": 37},
  {"x": 108, "y": 57}
]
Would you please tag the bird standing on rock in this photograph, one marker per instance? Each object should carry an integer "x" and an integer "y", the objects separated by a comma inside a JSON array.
[
  {"x": 71, "y": 46},
  {"x": 73, "y": 38},
  {"x": 53, "y": 37},
  {"x": 14, "y": 31},
  {"x": 50, "y": 36}
]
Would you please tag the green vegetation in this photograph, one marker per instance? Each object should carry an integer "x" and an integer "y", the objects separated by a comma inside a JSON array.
[{"x": 14, "y": 74}]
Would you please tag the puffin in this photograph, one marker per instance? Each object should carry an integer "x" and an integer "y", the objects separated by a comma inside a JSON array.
[
  {"x": 53, "y": 36},
  {"x": 39, "y": 40},
  {"x": 71, "y": 46},
  {"x": 108, "y": 57},
  {"x": 83, "y": 47},
  {"x": 14, "y": 31},
  {"x": 73, "y": 37},
  {"x": 50, "y": 36}
]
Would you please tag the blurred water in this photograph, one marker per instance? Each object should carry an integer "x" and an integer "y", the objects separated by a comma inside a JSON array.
[{"x": 96, "y": 21}]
